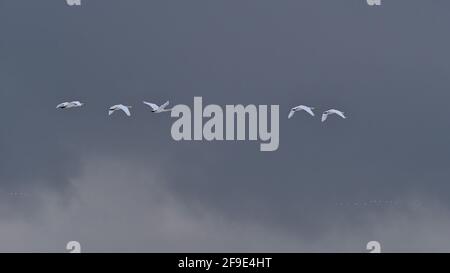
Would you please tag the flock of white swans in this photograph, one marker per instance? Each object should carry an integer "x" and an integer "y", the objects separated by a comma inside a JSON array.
[
  {"x": 118, "y": 107},
  {"x": 309, "y": 110},
  {"x": 163, "y": 108}
]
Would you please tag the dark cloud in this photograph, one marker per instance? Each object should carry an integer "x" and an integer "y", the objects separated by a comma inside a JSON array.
[{"x": 386, "y": 67}]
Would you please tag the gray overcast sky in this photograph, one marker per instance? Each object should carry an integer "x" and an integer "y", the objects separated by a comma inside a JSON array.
[{"x": 122, "y": 184}]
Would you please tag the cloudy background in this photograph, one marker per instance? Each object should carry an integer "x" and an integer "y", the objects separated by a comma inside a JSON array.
[{"x": 122, "y": 184}]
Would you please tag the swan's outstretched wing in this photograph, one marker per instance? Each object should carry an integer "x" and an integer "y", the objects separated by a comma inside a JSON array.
[
  {"x": 165, "y": 105},
  {"x": 125, "y": 109},
  {"x": 336, "y": 112},
  {"x": 324, "y": 117},
  {"x": 341, "y": 114},
  {"x": 110, "y": 112},
  {"x": 152, "y": 105},
  {"x": 309, "y": 110},
  {"x": 291, "y": 113}
]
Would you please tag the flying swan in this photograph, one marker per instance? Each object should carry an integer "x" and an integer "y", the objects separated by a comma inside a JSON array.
[
  {"x": 158, "y": 109},
  {"x": 67, "y": 105},
  {"x": 125, "y": 109},
  {"x": 300, "y": 108},
  {"x": 331, "y": 112}
]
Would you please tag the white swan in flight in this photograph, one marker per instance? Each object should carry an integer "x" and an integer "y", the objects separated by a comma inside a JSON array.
[
  {"x": 125, "y": 109},
  {"x": 158, "y": 109},
  {"x": 67, "y": 105},
  {"x": 300, "y": 108},
  {"x": 331, "y": 112}
]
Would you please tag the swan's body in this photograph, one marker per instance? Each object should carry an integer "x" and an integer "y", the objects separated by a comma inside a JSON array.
[
  {"x": 301, "y": 108},
  {"x": 332, "y": 112},
  {"x": 374, "y": 247},
  {"x": 73, "y": 247},
  {"x": 119, "y": 107},
  {"x": 67, "y": 105},
  {"x": 158, "y": 109}
]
